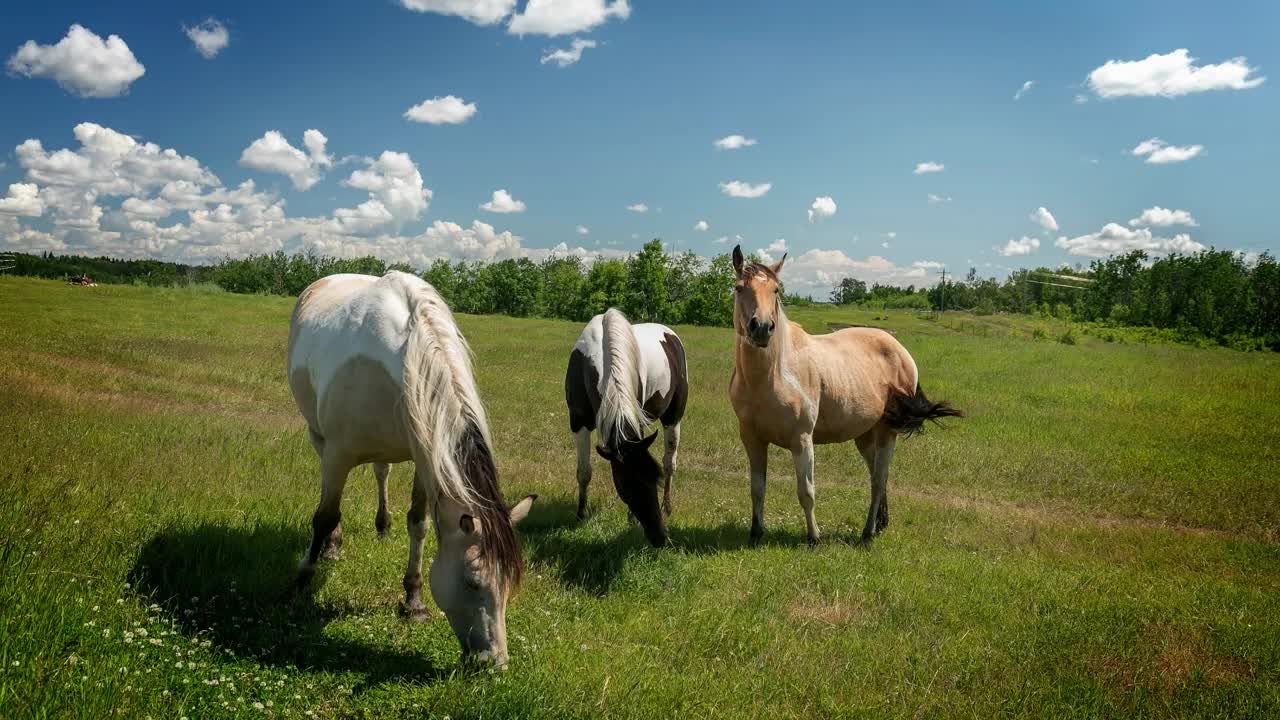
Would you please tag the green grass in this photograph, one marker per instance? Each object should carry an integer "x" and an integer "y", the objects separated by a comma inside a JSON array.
[{"x": 1099, "y": 538}]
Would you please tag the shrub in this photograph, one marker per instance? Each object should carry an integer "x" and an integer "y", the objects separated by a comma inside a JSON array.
[
  {"x": 1068, "y": 337},
  {"x": 1038, "y": 333}
]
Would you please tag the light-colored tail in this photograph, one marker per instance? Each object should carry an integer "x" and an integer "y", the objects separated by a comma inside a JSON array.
[
  {"x": 621, "y": 415},
  {"x": 441, "y": 403}
]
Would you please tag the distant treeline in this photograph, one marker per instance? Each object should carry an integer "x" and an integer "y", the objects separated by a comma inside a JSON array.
[{"x": 1212, "y": 295}]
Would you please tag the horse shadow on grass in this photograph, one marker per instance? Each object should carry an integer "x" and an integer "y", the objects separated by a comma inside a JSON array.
[
  {"x": 234, "y": 587},
  {"x": 552, "y": 539}
]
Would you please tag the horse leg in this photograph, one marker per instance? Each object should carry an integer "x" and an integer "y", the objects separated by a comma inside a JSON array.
[
  {"x": 583, "y": 440},
  {"x": 413, "y": 608},
  {"x": 867, "y": 448},
  {"x": 671, "y": 445},
  {"x": 383, "y": 519},
  {"x": 326, "y": 528},
  {"x": 885, "y": 442},
  {"x": 758, "y": 458},
  {"x": 805, "y": 491}
]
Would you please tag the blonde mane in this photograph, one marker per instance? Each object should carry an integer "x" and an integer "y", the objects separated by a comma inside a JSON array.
[{"x": 621, "y": 416}]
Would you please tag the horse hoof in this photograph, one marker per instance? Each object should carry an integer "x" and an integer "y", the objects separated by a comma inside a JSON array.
[
  {"x": 332, "y": 553},
  {"x": 304, "y": 577},
  {"x": 813, "y": 541},
  {"x": 413, "y": 614}
]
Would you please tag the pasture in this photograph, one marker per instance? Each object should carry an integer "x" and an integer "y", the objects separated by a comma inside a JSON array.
[{"x": 1100, "y": 537}]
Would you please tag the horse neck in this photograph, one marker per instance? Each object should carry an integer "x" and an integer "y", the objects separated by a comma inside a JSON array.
[{"x": 757, "y": 365}]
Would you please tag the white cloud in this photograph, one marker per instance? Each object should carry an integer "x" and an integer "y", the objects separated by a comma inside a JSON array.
[
  {"x": 566, "y": 17},
  {"x": 934, "y": 199},
  {"x": 1170, "y": 75},
  {"x": 394, "y": 182},
  {"x": 1025, "y": 246},
  {"x": 739, "y": 189},
  {"x": 447, "y": 110},
  {"x": 273, "y": 153},
  {"x": 480, "y": 12},
  {"x": 1023, "y": 90},
  {"x": 82, "y": 63},
  {"x": 734, "y": 142},
  {"x": 885, "y": 245},
  {"x": 776, "y": 250},
  {"x": 1080, "y": 99},
  {"x": 891, "y": 234},
  {"x": 928, "y": 167},
  {"x": 1115, "y": 238},
  {"x": 23, "y": 199},
  {"x": 1044, "y": 219},
  {"x": 816, "y": 271},
  {"x": 1159, "y": 152},
  {"x": 638, "y": 208},
  {"x": 565, "y": 57},
  {"x": 1162, "y": 217},
  {"x": 582, "y": 230},
  {"x": 724, "y": 240},
  {"x": 823, "y": 206},
  {"x": 502, "y": 202},
  {"x": 209, "y": 37},
  {"x": 701, "y": 226}
]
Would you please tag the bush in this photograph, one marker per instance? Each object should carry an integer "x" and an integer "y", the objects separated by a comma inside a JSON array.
[
  {"x": 1038, "y": 333},
  {"x": 1068, "y": 337}
]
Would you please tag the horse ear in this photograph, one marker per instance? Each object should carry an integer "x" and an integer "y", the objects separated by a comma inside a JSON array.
[
  {"x": 738, "y": 260},
  {"x": 645, "y": 443},
  {"x": 777, "y": 267},
  {"x": 520, "y": 510},
  {"x": 604, "y": 452}
]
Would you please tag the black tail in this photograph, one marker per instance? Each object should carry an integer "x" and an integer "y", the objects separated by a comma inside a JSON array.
[{"x": 907, "y": 413}]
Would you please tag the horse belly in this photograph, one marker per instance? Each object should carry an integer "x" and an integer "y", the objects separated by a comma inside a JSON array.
[
  {"x": 358, "y": 413},
  {"x": 841, "y": 419}
]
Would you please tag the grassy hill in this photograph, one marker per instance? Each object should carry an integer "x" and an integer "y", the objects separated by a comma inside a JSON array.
[{"x": 1100, "y": 537}]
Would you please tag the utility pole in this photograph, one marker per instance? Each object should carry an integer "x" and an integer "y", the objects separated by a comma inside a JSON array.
[{"x": 944, "y": 288}]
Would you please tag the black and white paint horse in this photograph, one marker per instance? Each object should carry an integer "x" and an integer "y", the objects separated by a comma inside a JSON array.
[{"x": 621, "y": 378}]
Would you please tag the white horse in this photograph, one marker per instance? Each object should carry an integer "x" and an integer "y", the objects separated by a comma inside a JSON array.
[{"x": 382, "y": 375}]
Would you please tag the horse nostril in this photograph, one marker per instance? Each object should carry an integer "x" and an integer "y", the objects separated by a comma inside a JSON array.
[
  {"x": 752, "y": 325},
  {"x": 771, "y": 326}
]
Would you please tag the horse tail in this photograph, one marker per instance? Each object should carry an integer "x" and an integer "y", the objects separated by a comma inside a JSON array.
[
  {"x": 448, "y": 426},
  {"x": 907, "y": 413},
  {"x": 620, "y": 415}
]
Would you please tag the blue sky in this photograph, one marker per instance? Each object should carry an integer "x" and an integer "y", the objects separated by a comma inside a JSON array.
[{"x": 844, "y": 100}]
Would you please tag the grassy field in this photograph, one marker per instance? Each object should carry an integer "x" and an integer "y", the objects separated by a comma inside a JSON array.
[{"x": 1101, "y": 537}]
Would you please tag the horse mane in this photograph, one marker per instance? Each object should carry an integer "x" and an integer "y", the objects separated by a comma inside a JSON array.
[
  {"x": 620, "y": 415},
  {"x": 449, "y": 427}
]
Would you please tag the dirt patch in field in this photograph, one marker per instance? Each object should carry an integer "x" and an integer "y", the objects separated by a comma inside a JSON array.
[
  {"x": 1168, "y": 658},
  {"x": 821, "y": 611}
]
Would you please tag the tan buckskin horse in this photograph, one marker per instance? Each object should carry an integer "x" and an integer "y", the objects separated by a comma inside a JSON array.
[
  {"x": 795, "y": 390},
  {"x": 382, "y": 374}
]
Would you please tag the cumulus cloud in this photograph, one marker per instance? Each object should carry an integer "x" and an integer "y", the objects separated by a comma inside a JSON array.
[
  {"x": 502, "y": 202},
  {"x": 565, "y": 57},
  {"x": 734, "y": 142},
  {"x": 1115, "y": 238},
  {"x": 23, "y": 200},
  {"x": 816, "y": 271},
  {"x": 582, "y": 230},
  {"x": 480, "y": 12},
  {"x": 774, "y": 252},
  {"x": 823, "y": 206},
  {"x": 928, "y": 167},
  {"x": 1024, "y": 246},
  {"x": 82, "y": 63},
  {"x": 739, "y": 189},
  {"x": 1044, "y": 219},
  {"x": 447, "y": 110},
  {"x": 209, "y": 37},
  {"x": 1023, "y": 90},
  {"x": 935, "y": 199},
  {"x": 1159, "y": 152},
  {"x": 1162, "y": 217},
  {"x": 272, "y": 153},
  {"x": 724, "y": 240},
  {"x": 1170, "y": 75},
  {"x": 566, "y": 17},
  {"x": 393, "y": 181},
  {"x": 638, "y": 208},
  {"x": 701, "y": 226}
]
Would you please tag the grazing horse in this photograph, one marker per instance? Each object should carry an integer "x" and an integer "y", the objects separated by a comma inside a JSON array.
[
  {"x": 382, "y": 375},
  {"x": 620, "y": 378},
  {"x": 795, "y": 390}
]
